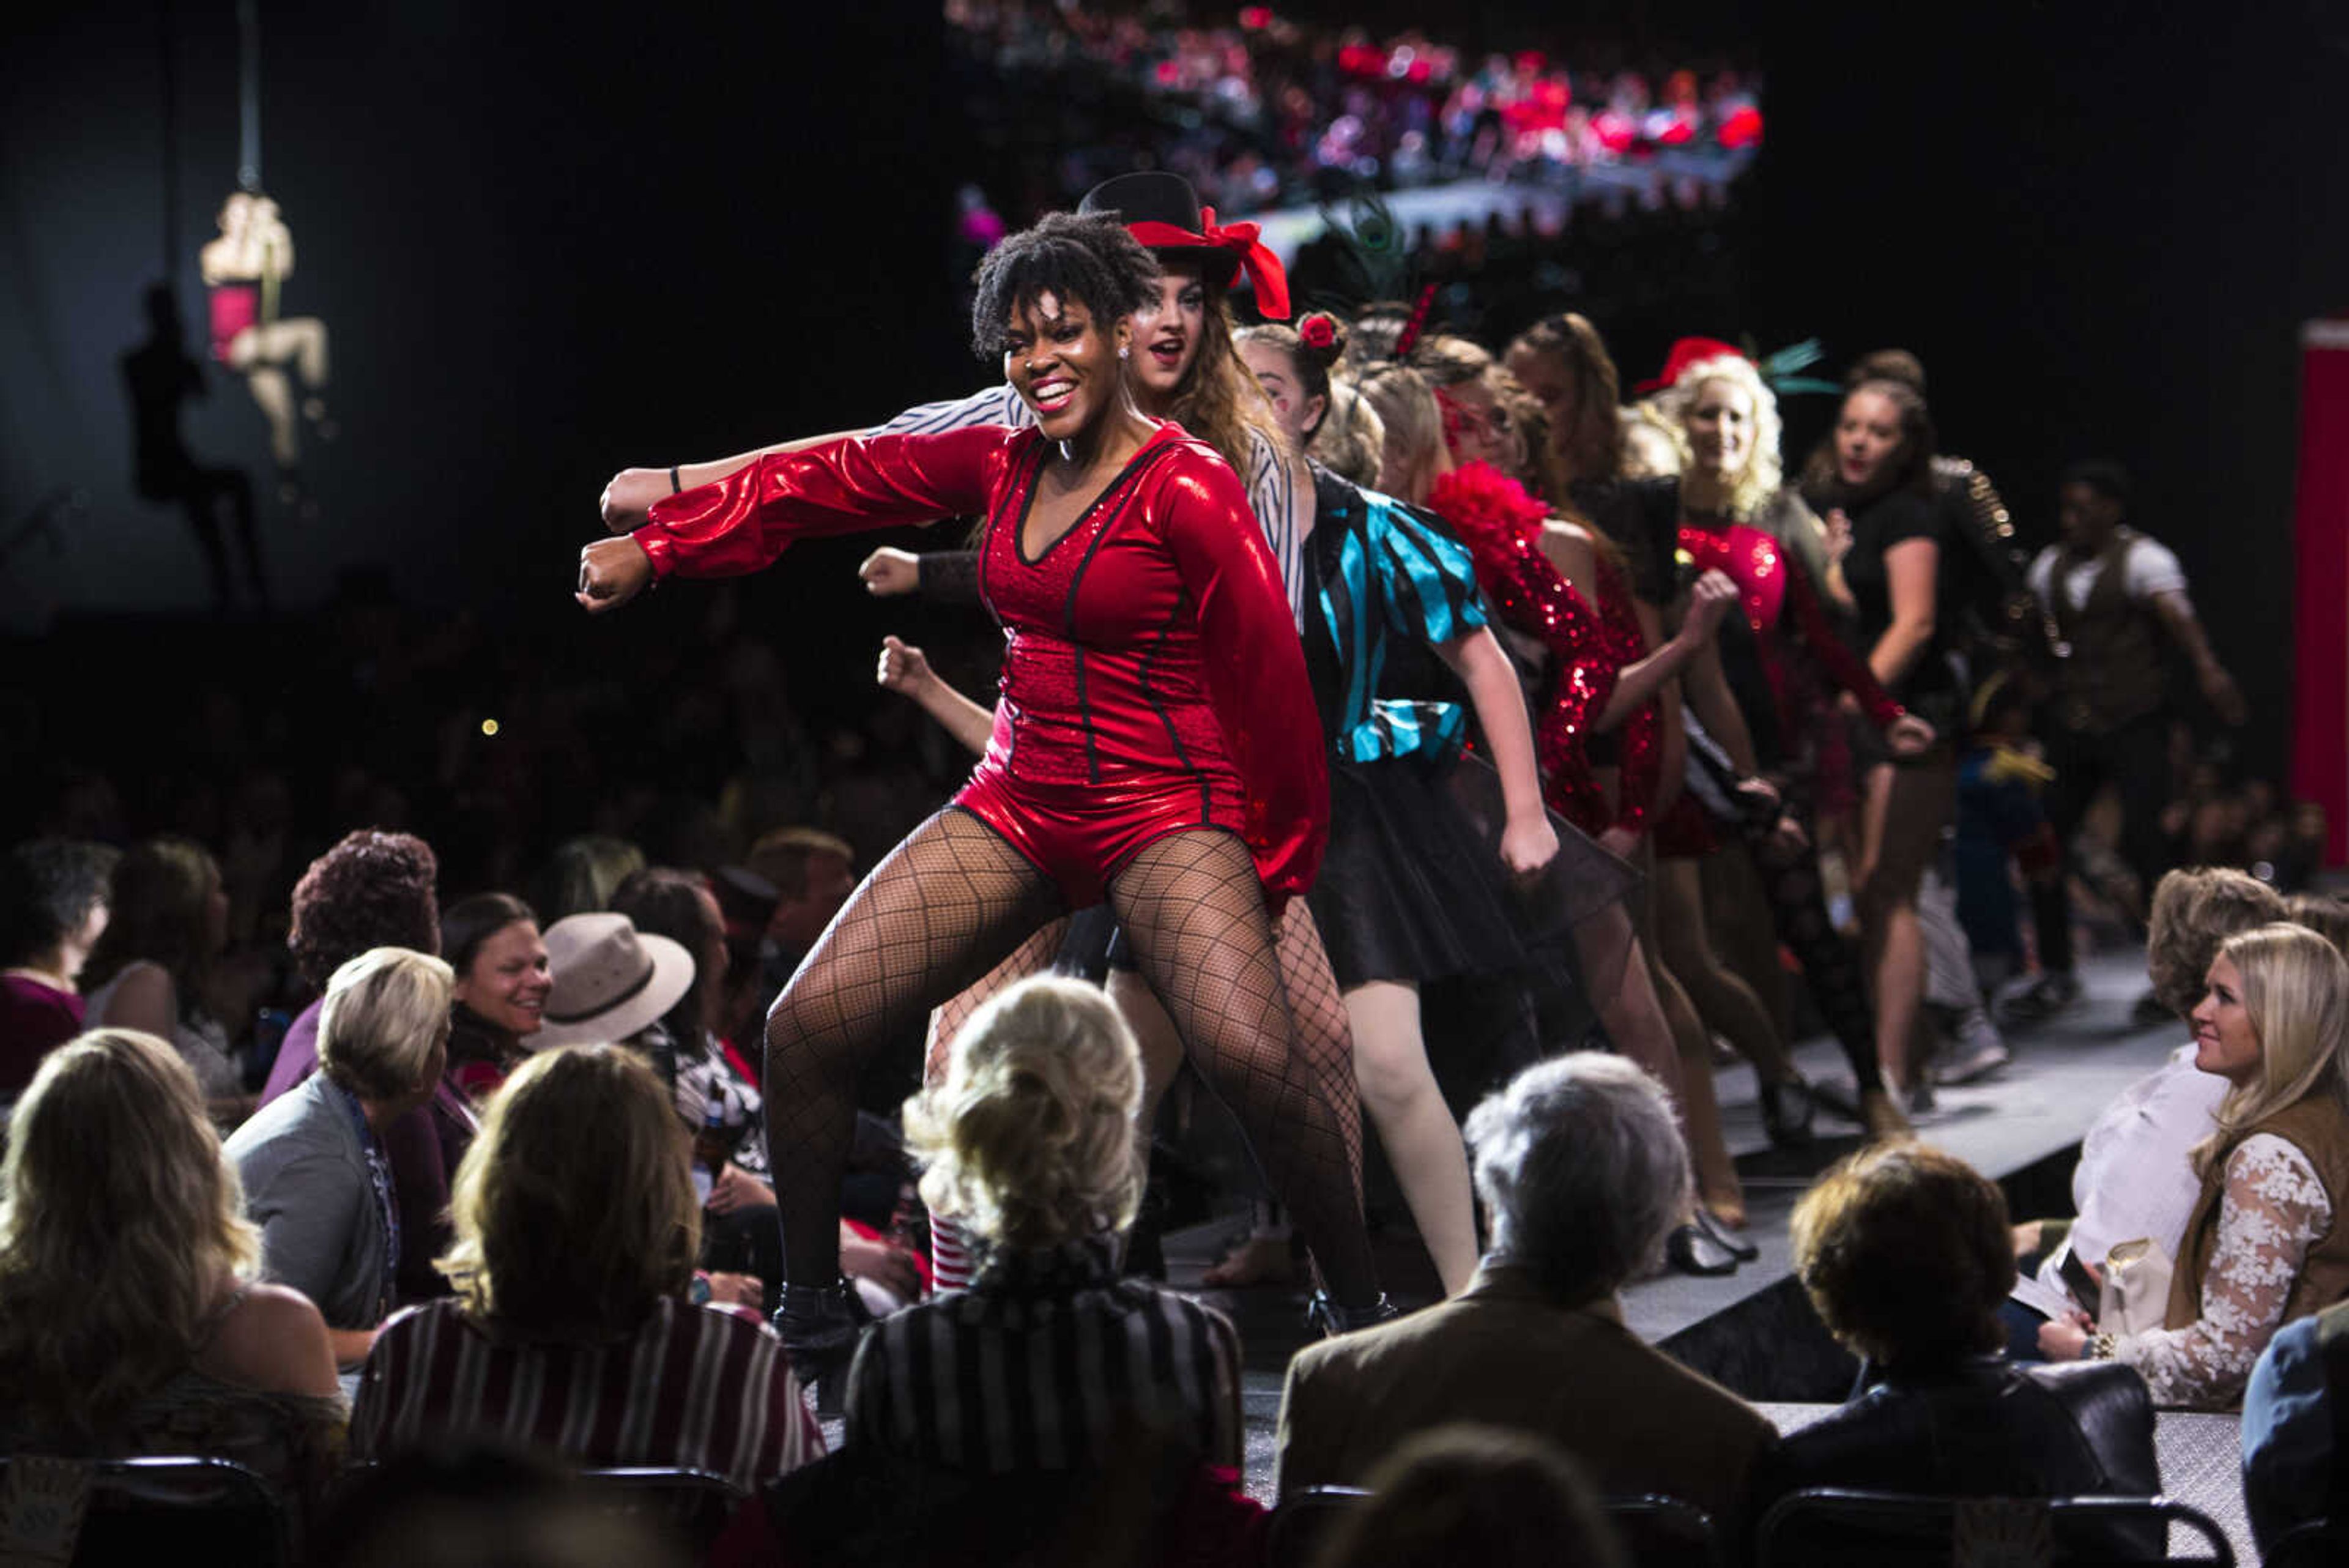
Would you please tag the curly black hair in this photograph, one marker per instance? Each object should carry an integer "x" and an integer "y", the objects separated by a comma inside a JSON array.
[
  {"x": 1090, "y": 259},
  {"x": 48, "y": 888},
  {"x": 372, "y": 889}
]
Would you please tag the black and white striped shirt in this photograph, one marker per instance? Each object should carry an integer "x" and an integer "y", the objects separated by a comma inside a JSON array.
[
  {"x": 1045, "y": 1361},
  {"x": 1271, "y": 486}
]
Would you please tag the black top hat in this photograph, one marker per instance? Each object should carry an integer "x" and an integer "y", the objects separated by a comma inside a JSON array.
[{"x": 1152, "y": 195}]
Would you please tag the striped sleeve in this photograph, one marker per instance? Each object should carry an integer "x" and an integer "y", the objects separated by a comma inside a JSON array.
[
  {"x": 994, "y": 405},
  {"x": 1272, "y": 495},
  {"x": 1427, "y": 580}
]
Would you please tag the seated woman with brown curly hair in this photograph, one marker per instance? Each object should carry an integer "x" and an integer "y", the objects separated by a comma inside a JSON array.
[
  {"x": 130, "y": 1319},
  {"x": 1907, "y": 1252},
  {"x": 571, "y": 1330}
]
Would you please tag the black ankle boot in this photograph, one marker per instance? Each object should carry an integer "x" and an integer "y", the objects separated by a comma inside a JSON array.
[
  {"x": 1327, "y": 1318},
  {"x": 819, "y": 1326}
]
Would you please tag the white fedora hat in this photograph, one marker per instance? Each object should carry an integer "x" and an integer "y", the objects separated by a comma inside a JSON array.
[{"x": 610, "y": 979}]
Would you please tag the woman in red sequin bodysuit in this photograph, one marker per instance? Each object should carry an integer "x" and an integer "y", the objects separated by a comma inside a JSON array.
[{"x": 1155, "y": 745}]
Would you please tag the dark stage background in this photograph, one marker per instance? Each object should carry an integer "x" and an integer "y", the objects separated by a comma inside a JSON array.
[{"x": 550, "y": 245}]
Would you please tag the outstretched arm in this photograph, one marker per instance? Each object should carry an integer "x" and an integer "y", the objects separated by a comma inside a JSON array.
[
  {"x": 1528, "y": 841},
  {"x": 628, "y": 498},
  {"x": 744, "y": 523}
]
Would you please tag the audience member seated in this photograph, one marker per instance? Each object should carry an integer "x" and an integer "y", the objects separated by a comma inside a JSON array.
[
  {"x": 372, "y": 889},
  {"x": 1906, "y": 1253},
  {"x": 152, "y": 968},
  {"x": 577, "y": 1231},
  {"x": 1494, "y": 1497},
  {"x": 130, "y": 1322},
  {"x": 1031, "y": 1142},
  {"x": 583, "y": 873},
  {"x": 1583, "y": 1175},
  {"x": 316, "y": 1178},
  {"x": 2135, "y": 1180},
  {"x": 2290, "y": 1453},
  {"x": 2328, "y": 918},
  {"x": 52, "y": 911},
  {"x": 2259, "y": 1249},
  {"x": 492, "y": 940},
  {"x": 612, "y": 985}
]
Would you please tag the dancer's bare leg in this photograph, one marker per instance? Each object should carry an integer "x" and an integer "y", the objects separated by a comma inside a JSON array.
[
  {"x": 1722, "y": 999},
  {"x": 1414, "y": 1125},
  {"x": 273, "y": 394}
]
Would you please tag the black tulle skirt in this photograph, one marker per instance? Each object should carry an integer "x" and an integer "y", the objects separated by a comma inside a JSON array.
[{"x": 1412, "y": 886}]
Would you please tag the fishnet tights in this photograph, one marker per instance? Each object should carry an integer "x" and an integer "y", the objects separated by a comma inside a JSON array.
[
  {"x": 944, "y": 907},
  {"x": 1194, "y": 913}
]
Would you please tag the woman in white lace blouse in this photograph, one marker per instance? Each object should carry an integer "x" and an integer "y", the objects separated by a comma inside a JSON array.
[{"x": 2260, "y": 1248}]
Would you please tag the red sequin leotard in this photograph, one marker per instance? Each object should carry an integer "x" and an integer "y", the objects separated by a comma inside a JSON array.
[
  {"x": 1152, "y": 679},
  {"x": 1768, "y": 585}
]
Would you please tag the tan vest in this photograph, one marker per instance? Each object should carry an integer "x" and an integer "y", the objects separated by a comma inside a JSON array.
[{"x": 2319, "y": 1128}]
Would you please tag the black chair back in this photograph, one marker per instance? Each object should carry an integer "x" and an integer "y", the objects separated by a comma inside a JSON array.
[
  {"x": 2316, "y": 1544},
  {"x": 1302, "y": 1521},
  {"x": 1832, "y": 1527},
  {"x": 178, "y": 1508},
  {"x": 695, "y": 1506},
  {"x": 1660, "y": 1531}
]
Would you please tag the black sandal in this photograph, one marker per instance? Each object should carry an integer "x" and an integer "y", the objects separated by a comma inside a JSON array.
[{"x": 1690, "y": 1249}]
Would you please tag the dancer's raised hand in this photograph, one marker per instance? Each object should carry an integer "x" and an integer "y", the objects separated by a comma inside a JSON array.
[
  {"x": 611, "y": 572},
  {"x": 904, "y": 668},
  {"x": 628, "y": 497}
]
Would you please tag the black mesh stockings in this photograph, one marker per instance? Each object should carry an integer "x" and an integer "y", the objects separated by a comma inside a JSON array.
[
  {"x": 1194, "y": 913},
  {"x": 1790, "y": 881},
  {"x": 942, "y": 909},
  {"x": 1325, "y": 1040}
]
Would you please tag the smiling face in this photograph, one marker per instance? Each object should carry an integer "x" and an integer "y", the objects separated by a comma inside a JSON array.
[
  {"x": 508, "y": 980},
  {"x": 2225, "y": 1043},
  {"x": 1868, "y": 438},
  {"x": 1720, "y": 425},
  {"x": 1167, "y": 339},
  {"x": 1276, "y": 372},
  {"x": 1063, "y": 364}
]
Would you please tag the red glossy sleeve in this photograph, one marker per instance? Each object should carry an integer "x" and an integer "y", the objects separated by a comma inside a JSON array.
[
  {"x": 1846, "y": 669},
  {"x": 744, "y": 521},
  {"x": 1255, "y": 669}
]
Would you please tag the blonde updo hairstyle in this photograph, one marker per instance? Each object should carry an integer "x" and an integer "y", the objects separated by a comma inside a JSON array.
[
  {"x": 1353, "y": 439},
  {"x": 1031, "y": 1138},
  {"x": 1751, "y": 488},
  {"x": 1410, "y": 424},
  {"x": 2296, "y": 991}
]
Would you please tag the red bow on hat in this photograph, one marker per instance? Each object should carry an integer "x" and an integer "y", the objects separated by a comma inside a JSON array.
[{"x": 1264, "y": 268}]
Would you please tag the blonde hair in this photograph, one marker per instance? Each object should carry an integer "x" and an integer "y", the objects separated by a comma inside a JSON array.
[
  {"x": 1352, "y": 438},
  {"x": 120, "y": 1221},
  {"x": 574, "y": 1208},
  {"x": 386, "y": 1010},
  {"x": 1751, "y": 488},
  {"x": 1030, "y": 1137},
  {"x": 2296, "y": 992},
  {"x": 1410, "y": 424}
]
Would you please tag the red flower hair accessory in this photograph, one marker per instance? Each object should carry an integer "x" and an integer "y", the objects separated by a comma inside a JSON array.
[{"x": 1318, "y": 330}]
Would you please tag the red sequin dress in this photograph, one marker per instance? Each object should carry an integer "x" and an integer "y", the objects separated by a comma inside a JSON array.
[
  {"x": 1501, "y": 524},
  {"x": 1152, "y": 679},
  {"x": 1768, "y": 586}
]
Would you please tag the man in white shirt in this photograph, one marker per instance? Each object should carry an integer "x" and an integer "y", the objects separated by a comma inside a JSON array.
[{"x": 2116, "y": 596}]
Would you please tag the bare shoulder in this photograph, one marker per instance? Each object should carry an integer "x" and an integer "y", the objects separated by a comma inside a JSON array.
[
  {"x": 1570, "y": 549},
  {"x": 274, "y": 1339},
  {"x": 142, "y": 998}
]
